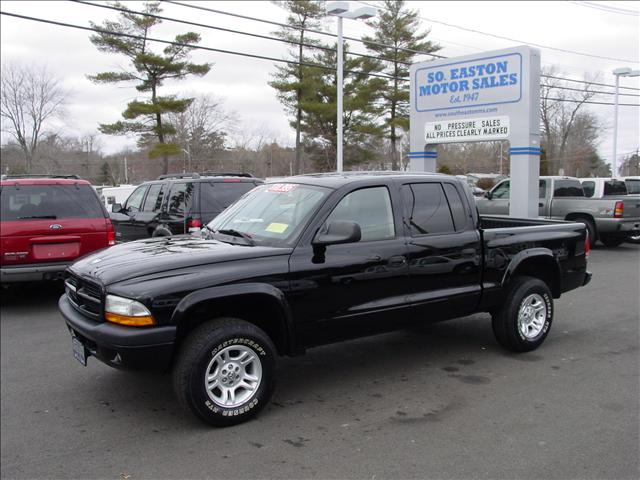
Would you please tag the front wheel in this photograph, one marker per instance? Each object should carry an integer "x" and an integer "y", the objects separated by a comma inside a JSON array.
[
  {"x": 522, "y": 323},
  {"x": 225, "y": 371}
]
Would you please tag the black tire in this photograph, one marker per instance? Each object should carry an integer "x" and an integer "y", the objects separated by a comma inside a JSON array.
[
  {"x": 591, "y": 228},
  {"x": 194, "y": 359},
  {"x": 611, "y": 241},
  {"x": 505, "y": 318},
  {"x": 634, "y": 239},
  {"x": 161, "y": 232}
]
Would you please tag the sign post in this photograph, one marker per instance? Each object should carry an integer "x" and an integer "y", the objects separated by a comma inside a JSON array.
[{"x": 482, "y": 97}]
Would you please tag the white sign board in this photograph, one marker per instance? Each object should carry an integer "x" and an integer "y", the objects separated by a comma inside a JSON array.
[
  {"x": 482, "y": 97},
  {"x": 474, "y": 130}
]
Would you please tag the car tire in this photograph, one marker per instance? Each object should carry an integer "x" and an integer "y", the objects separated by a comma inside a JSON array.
[
  {"x": 633, "y": 239},
  {"x": 522, "y": 323},
  {"x": 161, "y": 232},
  {"x": 591, "y": 228},
  {"x": 225, "y": 371},
  {"x": 611, "y": 241}
]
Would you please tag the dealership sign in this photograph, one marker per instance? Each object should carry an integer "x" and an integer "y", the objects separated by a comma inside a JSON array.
[{"x": 483, "y": 97}]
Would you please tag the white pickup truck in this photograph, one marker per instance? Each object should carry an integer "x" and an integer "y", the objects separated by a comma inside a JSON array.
[{"x": 612, "y": 220}]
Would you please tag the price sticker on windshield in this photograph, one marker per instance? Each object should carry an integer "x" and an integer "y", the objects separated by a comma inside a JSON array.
[{"x": 282, "y": 187}]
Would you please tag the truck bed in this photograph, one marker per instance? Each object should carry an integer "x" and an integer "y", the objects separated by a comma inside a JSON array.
[{"x": 488, "y": 222}]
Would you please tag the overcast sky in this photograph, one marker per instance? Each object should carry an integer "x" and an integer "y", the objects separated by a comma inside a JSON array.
[{"x": 242, "y": 82}]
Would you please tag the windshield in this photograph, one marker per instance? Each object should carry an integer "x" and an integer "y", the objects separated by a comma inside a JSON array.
[{"x": 272, "y": 214}]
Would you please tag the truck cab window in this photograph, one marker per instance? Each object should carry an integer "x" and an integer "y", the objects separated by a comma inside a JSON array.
[{"x": 426, "y": 209}]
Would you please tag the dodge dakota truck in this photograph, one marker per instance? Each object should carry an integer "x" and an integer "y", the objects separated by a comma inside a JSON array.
[
  {"x": 612, "y": 220},
  {"x": 311, "y": 260}
]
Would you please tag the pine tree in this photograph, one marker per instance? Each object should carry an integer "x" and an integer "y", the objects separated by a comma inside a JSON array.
[
  {"x": 149, "y": 70},
  {"x": 360, "y": 110},
  {"x": 398, "y": 27},
  {"x": 289, "y": 80}
]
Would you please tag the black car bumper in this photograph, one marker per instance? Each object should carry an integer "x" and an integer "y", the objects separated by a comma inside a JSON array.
[{"x": 119, "y": 346}]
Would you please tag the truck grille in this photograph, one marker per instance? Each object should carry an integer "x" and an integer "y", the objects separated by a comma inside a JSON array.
[{"x": 85, "y": 296}]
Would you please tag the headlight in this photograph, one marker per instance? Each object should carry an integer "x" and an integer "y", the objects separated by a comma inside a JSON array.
[{"x": 125, "y": 311}]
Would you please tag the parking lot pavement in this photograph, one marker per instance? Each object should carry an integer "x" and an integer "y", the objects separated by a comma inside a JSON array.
[{"x": 438, "y": 401}]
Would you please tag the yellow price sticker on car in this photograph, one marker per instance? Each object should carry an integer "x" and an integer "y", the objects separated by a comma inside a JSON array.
[{"x": 276, "y": 227}]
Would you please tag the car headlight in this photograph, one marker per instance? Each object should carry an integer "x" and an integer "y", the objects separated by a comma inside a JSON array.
[{"x": 125, "y": 311}]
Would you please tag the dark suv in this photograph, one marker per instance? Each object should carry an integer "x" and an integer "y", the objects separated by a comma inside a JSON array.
[{"x": 178, "y": 203}]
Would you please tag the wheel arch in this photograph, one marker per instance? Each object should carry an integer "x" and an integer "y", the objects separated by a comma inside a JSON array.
[
  {"x": 538, "y": 263},
  {"x": 587, "y": 216},
  {"x": 263, "y": 305}
]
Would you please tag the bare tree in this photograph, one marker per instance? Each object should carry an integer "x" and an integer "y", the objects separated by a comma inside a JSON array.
[
  {"x": 559, "y": 110},
  {"x": 31, "y": 96},
  {"x": 202, "y": 129}
]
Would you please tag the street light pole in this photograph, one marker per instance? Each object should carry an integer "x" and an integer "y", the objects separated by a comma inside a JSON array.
[
  {"x": 339, "y": 162},
  {"x": 618, "y": 72},
  {"x": 341, "y": 10}
]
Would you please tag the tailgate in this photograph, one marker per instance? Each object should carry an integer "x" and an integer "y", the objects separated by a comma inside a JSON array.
[
  {"x": 631, "y": 206},
  {"x": 41, "y": 241}
]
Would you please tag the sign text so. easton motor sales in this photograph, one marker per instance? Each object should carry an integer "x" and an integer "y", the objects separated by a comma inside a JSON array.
[{"x": 472, "y": 83}]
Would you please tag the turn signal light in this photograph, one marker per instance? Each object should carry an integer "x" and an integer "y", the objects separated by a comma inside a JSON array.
[
  {"x": 111, "y": 234},
  {"x": 618, "y": 211},
  {"x": 145, "y": 321}
]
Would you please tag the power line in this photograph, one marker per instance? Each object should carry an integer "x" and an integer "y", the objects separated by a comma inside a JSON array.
[
  {"x": 284, "y": 25},
  {"x": 250, "y": 55},
  {"x": 511, "y": 39},
  {"x": 320, "y": 32},
  {"x": 189, "y": 45},
  {"x": 228, "y": 30},
  {"x": 608, "y": 8},
  {"x": 598, "y": 92}
]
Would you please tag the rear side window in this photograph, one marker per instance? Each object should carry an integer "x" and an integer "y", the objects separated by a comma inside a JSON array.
[
  {"x": 154, "y": 198},
  {"x": 30, "y": 202},
  {"x": 615, "y": 187},
  {"x": 568, "y": 188},
  {"x": 457, "y": 207},
  {"x": 426, "y": 209},
  {"x": 589, "y": 188},
  {"x": 633, "y": 186},
  {"x": 180, "y": 198},
  {"x": 216, "y": 196}
]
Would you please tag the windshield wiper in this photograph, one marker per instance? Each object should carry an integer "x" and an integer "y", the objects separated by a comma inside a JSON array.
[
  {"x": 233, "y": 233},
  {"x": 52, "y": 217}
]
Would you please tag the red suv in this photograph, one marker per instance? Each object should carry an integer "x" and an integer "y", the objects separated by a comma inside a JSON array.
[{"x": 46, "y": 224}]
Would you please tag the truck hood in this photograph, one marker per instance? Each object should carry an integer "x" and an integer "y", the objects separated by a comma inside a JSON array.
[{"x": 162, "y": 254}]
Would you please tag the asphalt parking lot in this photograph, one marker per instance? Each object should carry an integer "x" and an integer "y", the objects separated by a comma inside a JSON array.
[{"x": 442, "y": 401}]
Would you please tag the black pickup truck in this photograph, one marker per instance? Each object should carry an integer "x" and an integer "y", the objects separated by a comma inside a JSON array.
[{"x": 311, "y": 260}]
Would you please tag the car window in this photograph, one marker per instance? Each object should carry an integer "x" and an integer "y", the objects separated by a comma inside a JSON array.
[
  {"x": 633, "y": 186},
  {"x": 426, "y": 209},
  {"x": 216, "y": 196},
  {"x": 542, "y": 189},
  {"x": 502, "y": 190},
  {"x": 371, "y": 209},
  {"x": 154, "y": 198},
  {"x": 134, "y": 202},
  {"x": 614, "y": 187},
  {"x": 589, "y": 188},
  {"x": 180, "y": 198},
  {"x": 568, "y": 188},
  {"x": 458, "y": 211},
  {"x": 27, "y": 202}
]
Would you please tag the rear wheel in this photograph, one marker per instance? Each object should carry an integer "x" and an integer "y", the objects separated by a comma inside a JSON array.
[
  {"x": 611, "y": 241},
  {"x": 634, "y": 239},
  {"x": 522, "y": 323},
  {"x": 225, "y": 371},
  {"x": 591, "y": 229}
]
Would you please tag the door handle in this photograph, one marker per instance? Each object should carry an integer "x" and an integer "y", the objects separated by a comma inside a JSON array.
[
  {"x": 397, "y": 261},
  {"x": 374, "y": 258},
  {"x": 540, "y": 205}
]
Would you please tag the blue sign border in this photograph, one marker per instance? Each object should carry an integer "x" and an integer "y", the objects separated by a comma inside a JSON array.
[{"x": 415, "y": 81}]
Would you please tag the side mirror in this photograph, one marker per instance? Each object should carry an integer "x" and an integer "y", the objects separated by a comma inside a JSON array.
[
  {"x": 338, "y": 232},
  {"x": 488, "y": 195},
  {"x": 116, "y": 208}
]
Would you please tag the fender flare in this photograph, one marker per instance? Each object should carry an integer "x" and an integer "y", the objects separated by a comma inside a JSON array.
[
  {"x": 239, "y": 290},
  {"x": 526, "y": 255}
]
